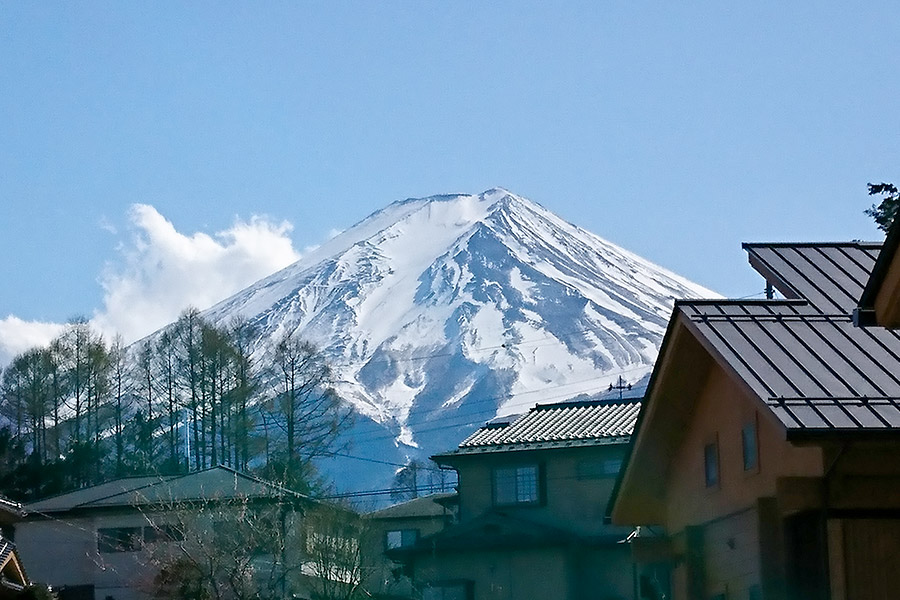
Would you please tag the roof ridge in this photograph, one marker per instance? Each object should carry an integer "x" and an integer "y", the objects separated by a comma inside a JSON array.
[
  {"x": 582, "y": 403},
  {"x": 835, "y": 244}
]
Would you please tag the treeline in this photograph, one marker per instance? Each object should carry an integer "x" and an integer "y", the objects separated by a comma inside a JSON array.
[{"x": 83, "y": 410}]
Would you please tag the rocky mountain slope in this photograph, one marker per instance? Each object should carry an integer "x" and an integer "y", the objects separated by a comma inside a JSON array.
[{"x": 440, "y": 313}]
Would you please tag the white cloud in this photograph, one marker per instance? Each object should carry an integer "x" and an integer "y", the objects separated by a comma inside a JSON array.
[
  {"x": 159, "y": 272},
  {"x": 17, "y": 336},
  {"x": 162, "y": 271}
]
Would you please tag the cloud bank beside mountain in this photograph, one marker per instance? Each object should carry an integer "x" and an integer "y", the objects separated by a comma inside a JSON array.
[{"x": 159, "y": 271}]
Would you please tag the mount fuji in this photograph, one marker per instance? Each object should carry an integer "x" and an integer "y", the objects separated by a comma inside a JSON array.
[{"x": 438, "y": 314}]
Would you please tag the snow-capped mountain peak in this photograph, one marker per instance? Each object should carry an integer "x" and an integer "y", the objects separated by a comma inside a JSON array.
[{"x": 454, "y": 308}]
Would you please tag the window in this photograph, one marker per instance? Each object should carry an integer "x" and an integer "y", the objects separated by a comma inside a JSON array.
[
  {"x": 132, "y": 539},
  {"x": 516, "y": 485},
  {"x": 750, "y": 446},
  {"x": 119, "y": 539},
  {"x": 400, "y": 538},
  {"x": 597, "y": 469},
  {"x": 711, "y": 463}
]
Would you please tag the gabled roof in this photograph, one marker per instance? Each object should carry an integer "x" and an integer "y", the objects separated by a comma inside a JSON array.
[
  {"x": 819, "y": 375},
  {"x": 432, "y": 505},
  {"x": 816, "y": 372},
  {"x": 830, "y": 276},
  {"x": 12, "y": 574},
  {"x": 216, "y": 483},
  {"x": 881, "y": 296},
  {"x": 879, "y": 270},
  {"x": 560, "y": 425}
]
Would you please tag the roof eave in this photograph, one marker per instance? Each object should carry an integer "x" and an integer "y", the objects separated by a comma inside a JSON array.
[
  {"x": 646, "y": 406},
  {"x": 882, "y": 264},
  {"x": 823, "y": 435}
]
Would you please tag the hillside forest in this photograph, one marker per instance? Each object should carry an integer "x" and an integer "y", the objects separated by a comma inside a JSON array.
[{"x": 84, "y": 410}]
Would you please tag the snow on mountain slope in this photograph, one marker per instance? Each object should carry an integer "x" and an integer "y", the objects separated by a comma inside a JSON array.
[{"x": 440, "y": 313}]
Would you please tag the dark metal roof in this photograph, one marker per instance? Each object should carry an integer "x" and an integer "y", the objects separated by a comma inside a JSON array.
[
  {"x": 564, "y": 424},
  {"x": 830, "y": 276},
  {"x": 816, "y": 372}
]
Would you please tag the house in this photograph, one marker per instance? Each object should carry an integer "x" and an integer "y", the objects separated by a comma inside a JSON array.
[
  {"x": 767, "y": 445},
  {"x": 130, "y": 538},
  {"x": 13, "y": 578},
  {"x": 398, "y": 526},
  {"x": 531, "y": 524}
]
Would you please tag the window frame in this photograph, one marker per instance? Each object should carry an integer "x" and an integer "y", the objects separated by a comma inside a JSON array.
[
  {"x": 711, "y": 451},
  {"x": 403, "y": 544},
  {"x": 535, "y": 499},
  {"x": 753, "y": 426}
]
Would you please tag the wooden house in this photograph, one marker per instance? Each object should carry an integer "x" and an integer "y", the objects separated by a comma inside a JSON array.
[
  {"x": 768, "y": 446},
  {"x": 13, "y": 579}
]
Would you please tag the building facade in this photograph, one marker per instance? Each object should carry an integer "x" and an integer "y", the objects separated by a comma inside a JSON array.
[
  {"x": 767, "y": 446},
  {"x": 401, "y": 526},
  {"x": 134, "y": 538},
  {"x": 532, "y": 490}
]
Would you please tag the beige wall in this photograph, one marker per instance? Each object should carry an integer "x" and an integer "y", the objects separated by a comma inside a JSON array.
[
  {"x": 63, "y": 552},
  {"x": 573, "y": 500},
  {"x": 571, "y": 503},
  {"x": 729, "y": 547},
  {"x": 887, "y": 302},
  {"x": 719, "y": 413},
  {"x": 378, "y": 570}
]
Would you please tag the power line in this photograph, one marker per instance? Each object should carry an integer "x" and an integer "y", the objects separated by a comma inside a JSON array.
[
  {"x": 506, "y": 345},
  {"x": 494, "y": 400}
]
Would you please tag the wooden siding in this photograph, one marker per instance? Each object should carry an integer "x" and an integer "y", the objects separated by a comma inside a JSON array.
[
  {"x": 721, "y": 411},
  {"x": 871, "y": 551}
]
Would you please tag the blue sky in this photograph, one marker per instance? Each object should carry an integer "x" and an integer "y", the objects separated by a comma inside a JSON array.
[{"x": 677, "y": 130}]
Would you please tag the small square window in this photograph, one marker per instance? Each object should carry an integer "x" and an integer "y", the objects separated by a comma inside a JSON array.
[
  {"x": 399, "y": 538},
  {"x": 750, "y": 446},
  {"x": 516, "y": 485},
  {"x": 711, "y": 463}
]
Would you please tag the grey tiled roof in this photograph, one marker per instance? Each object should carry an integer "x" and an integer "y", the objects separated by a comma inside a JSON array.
[
  {"x": 558, "y": 425},
  {"x": 216, "y": 483},
  {"x": 423, "y": 507},
  {"x": 830, "y": 276},
  {"x": 816, "y": 372}
]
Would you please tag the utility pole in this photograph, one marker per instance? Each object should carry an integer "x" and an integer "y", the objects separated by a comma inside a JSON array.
[{"x": 620, "y": 385}]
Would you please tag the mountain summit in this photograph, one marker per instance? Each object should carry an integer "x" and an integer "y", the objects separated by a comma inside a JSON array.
[{"x": 440, "y": 313}]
